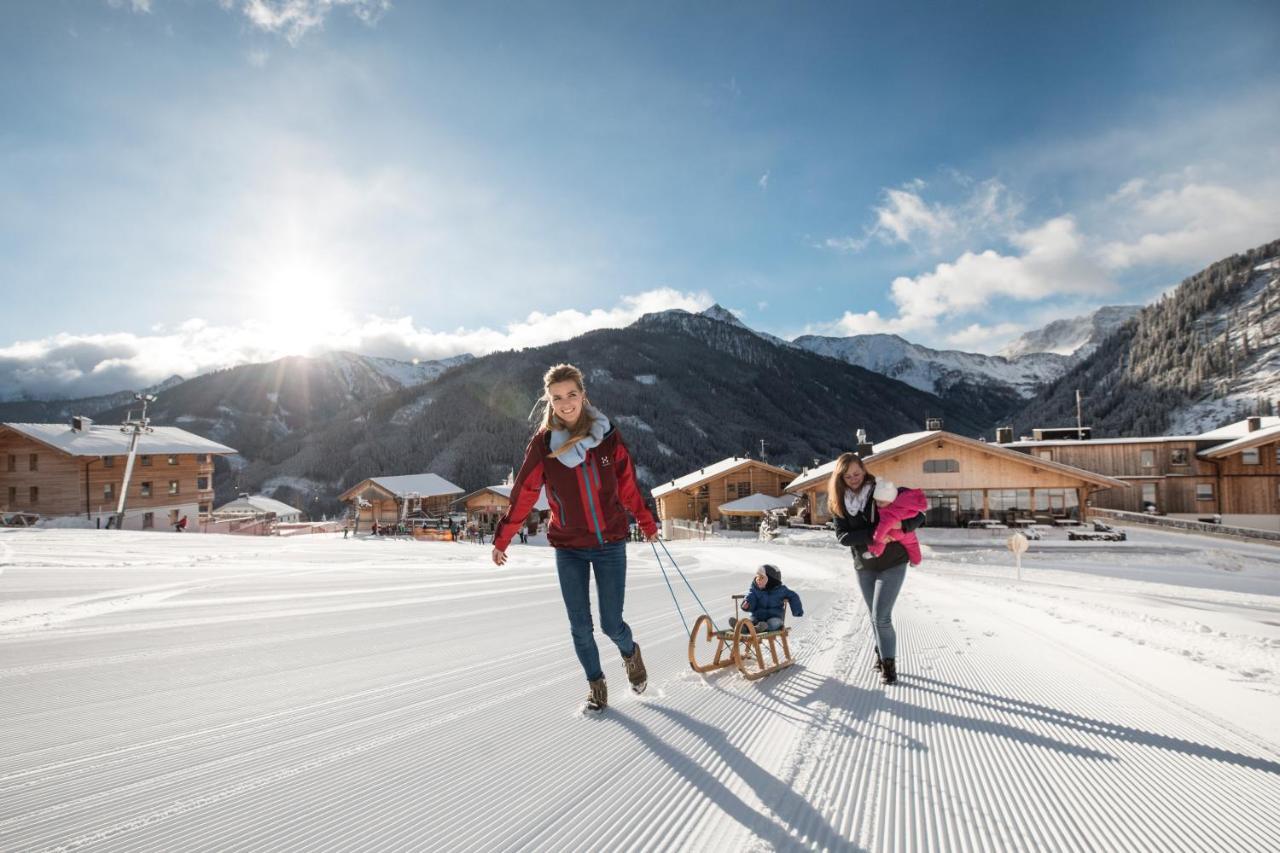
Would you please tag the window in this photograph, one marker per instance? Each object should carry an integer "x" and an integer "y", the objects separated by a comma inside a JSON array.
[
  {"x": 1148, "y": 459},
  {"x": 146, "y": 461},
  {"x": 202, "y": 458},
  {"x": 148, "y": 520},
  {"x": 941, "y": 466},
  {"x": 173, "y": 459},
  {"x": 34, "y": 463},
  {"x": 108, "y": 491},
  {"x": 204, "y": 509},
  {"x": 1178, "y": 456},
  {"x": 144, "y": 489},
  {"x": 202, "y": 484},
  {"x": 173, "y": 487},
  {"x": 1204, "y": 491},
  {"x": 13, "y": 462},
  {"x": 173, "y": 516},
  {"x": 1148, "y": 494},
  {"x": 13, "y": 496},
  {"x": 108, "y": 462},
  {"x": 1250, "y": 456},
  {"x": 1046, "y": 454},
  {"x": 35, "y": 494}
]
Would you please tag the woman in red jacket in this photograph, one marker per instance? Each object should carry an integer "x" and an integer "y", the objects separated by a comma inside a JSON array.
[{"x": 591, "y": 484}]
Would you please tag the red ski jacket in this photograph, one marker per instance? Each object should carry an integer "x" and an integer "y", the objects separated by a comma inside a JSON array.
[{"x": 589, "y": 502}]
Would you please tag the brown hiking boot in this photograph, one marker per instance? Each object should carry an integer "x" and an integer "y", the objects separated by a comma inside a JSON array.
[
  {"x": 597, "y": 695},
  {"x": 636, "y": 673}
]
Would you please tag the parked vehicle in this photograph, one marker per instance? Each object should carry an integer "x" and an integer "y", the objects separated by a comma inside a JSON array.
[{"x": 1097, "y": 532}]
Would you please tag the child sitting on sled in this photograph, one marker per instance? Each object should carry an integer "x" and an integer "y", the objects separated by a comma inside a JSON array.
[
  {"x": 767, "y": 599},
  {"x": 893, "y": 506}
]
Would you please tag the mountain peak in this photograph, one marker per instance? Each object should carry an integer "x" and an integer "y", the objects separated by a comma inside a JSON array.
[
  {"x": 724, "y": 315},
  {"x": 1072, "y": 336}
]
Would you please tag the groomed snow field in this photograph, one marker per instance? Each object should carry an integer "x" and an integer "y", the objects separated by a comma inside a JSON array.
[{"x": 167, "y": 692}]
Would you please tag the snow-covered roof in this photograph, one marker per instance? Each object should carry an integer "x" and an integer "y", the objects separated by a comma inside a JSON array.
[
  {"x": 106, "y": 440},
  {"x": 258, "y": 504},
  {"x": 900, "y": 442},
  {"x": 540, "y": 505},
  {"x": 724, "y": 466},
  {"x": 1253, "y": 439},
  {"x": 1064, "y": 442},
  {"x": 822, "y": 472},
  {"x": 1239, "y": 429},
  {"x": 423, "y": 485},
  {"x": 756, "y": 503},
  {"x": 813, "y": 475}
]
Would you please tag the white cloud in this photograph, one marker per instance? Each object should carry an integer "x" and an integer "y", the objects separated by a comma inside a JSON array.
[
  {"x": 979, "y": 338},
  {"x": 764, "y": 181},
  {"x": 69, "y": 365},
  {"x": 1181, "y": 220},
  {"x": 142, "y": 6},
  {"x": 904, "y": 216},
  {"x": 295, "y": 18}
]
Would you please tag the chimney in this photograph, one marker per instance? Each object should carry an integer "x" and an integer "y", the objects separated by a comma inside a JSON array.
[
  {"x": 80, "y": 423},
  {"x": 1254, "y": 423},
  {"x": 933, "y": 424},
  {"x": 865, "y": 447},
  {"x": 1004, "y": 435}
]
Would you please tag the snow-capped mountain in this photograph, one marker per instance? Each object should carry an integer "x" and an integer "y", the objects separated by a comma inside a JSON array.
[
  {"x": 1073, "y": 336},
  {"x": 724, "y": 315},
  {"x": 1208, "y": 353},
  {"x": 938, "y": 371}
]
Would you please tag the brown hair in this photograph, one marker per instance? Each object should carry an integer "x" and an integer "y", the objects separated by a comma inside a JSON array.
[
  {"x": 836, "y": 487},
  {"x": 580, "y": 430}
]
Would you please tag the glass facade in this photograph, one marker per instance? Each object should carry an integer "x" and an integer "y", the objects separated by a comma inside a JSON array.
[{"x": 958, "y": 507}]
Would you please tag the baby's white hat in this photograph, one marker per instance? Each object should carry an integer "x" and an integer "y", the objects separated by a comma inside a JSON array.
[{"x": 885, "y": 491}]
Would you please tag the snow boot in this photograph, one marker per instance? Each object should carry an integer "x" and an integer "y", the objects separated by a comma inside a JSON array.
[
  {"x": 636, "y": 673},
  {"x": 889, "y": 675},
  {"x": 597, "y": 695},
  {"x": 879, "y": 665}
]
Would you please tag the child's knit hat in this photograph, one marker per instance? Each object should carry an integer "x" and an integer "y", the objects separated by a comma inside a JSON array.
[
  {"x": 773, "y": 574},
  {"x": 885, "y": 491}
]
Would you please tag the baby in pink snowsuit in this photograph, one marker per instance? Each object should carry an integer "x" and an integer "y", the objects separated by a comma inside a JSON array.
[{"x": 895, "y": 505}]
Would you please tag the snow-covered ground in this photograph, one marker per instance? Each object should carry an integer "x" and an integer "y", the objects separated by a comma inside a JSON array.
[{"x": 180, "y": 692}]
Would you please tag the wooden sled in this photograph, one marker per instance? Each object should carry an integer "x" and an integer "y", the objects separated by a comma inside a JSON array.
[{"x": 742, "y": 646}]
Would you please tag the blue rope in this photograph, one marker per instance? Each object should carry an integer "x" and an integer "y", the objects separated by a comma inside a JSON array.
[
  {"x": 676, "y": 566},
  {"x": 669, "y": 589}
]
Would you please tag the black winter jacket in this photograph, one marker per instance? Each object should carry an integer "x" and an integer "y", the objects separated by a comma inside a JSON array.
[{"x": 856, "y": 532}]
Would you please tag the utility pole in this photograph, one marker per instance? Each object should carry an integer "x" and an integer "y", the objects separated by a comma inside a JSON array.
[
  {"x": 1079, "y": 418},
  {"x": 137, "y": 428},
  {"x": 762, "y": 450}
]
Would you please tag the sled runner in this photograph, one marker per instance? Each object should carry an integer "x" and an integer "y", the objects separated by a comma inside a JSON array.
[{"x": 741, "y": 646}]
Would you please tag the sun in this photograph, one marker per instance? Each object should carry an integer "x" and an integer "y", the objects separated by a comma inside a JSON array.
[{"x": 298, "y": 307}]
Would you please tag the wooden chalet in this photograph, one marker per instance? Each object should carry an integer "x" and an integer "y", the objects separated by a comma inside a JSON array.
[
  {"x": 254, "y": 506},
  {"x": 387, "y": 500},
  {"x": 1232, "y": 472},
  {"x": 700, "y": 495},
  {"x": 486, "y": 507},
  {"x": 78, "y": 469},
  {"x": 967, "y": 480}
]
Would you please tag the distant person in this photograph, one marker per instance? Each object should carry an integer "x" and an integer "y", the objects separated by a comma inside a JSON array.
[
  {"x": 850, "y": 496},
  {"x": 768, "y": 598},
  {"x": 589, "y": 477},
  {"x": 180, "y": 525}
]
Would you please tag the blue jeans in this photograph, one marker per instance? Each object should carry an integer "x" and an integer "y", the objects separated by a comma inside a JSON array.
[
  {"x": 574, "y": 565},
  {"x": 880, "y": 590}
]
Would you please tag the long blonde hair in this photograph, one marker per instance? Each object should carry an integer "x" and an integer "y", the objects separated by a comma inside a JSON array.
[
  {"x": 550, "y": 420},
  {"x": 836, "y": 486}
]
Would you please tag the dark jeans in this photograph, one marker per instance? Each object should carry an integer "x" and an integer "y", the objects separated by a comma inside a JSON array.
[
  {"x": 880, "y": 590},
  {"x": 574, "y": 565}
]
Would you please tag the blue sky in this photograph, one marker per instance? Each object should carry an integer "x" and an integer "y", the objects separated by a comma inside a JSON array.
[{"x": 187, "y": 184}]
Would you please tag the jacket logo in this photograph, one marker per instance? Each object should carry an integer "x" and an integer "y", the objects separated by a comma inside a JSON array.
[{"x": 604, "y": 461}]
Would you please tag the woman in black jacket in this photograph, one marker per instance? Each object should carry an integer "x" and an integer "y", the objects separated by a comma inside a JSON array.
[{"x": 849, "y": 497}]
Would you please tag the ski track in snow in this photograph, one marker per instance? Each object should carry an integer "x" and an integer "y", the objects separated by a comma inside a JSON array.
[{"x": 166, "y": 692}]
